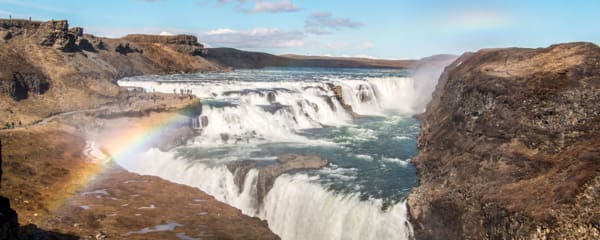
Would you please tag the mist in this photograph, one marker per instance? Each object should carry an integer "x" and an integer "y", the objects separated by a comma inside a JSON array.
[{"x": 426, "y": 76}]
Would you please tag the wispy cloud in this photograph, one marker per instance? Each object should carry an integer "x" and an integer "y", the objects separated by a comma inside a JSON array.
[
  {"x": 324, "y": 23},
  {"x": 262, "y": 6},
  {"x": 253, "y": 38}
]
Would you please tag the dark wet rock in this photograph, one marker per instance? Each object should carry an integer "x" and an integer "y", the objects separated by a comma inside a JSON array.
[
  {"x": 337, "y": 93},
  {"x": 224, "y": 137},
  {"x": 272, "y": 108},
  {"x": 269, "y": 171},
  {"x": 509, "y": 147},
  {"x": 364, "y": 93},
  {"x": 271, "y": 97},
  {"x": 9, "y": 225},
  {"x": 204, "y": 121},
  {"x": 329, "y": 102}
]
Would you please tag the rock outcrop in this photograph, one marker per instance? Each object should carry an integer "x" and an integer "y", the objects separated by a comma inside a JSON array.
[
  {"x": 9, "y": 225},
  {"x": 267, "y": 174},
  {"x": 510, "y": 147},
  {"x": 49, "y": 67},
  {"x": 338, "y": 94},
  {"x": 187, "y": 44}
]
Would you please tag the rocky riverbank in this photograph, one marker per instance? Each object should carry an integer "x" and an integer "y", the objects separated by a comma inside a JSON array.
[
  {"x": 59, "y": 98},
  {"x": 63, "y": 188},
  {"x": 509, "y": 147}
]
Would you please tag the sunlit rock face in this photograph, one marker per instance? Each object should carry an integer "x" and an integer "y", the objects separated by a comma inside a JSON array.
[{"x": 509, "y": 147}]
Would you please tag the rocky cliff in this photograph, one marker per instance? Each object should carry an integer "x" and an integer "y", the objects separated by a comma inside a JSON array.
[
  {"x": 48, "y": 67},
  {"x": 510, "y": 147},
  {"x": 9, "y": 225}
]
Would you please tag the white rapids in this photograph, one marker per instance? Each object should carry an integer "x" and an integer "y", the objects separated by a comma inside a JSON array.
[{"x": 248, "y": 113}]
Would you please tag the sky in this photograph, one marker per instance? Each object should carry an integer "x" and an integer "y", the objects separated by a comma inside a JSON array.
[{"x": 391, "y": 29}]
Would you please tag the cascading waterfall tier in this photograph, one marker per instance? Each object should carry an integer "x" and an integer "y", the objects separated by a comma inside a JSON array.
[{"x": 258, "y": 115}]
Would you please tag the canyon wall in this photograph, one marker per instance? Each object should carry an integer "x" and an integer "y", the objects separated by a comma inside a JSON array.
[
  {"x": 510, "y": 147},
  {"x": 48, "y": 67}
]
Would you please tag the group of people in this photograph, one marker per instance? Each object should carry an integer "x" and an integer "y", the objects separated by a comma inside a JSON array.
[
  {"x": 11, "y": 125},
  {"x": 183, "y": 93}
]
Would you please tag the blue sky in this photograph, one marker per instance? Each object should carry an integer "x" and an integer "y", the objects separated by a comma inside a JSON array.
[{"x": 384, "y": 29}]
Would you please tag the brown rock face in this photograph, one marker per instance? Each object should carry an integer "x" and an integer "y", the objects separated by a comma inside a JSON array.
[
  {"x": 9, "y": 225},
  {"x": 49, "y": 68},
  {"x": 509, "y": 147}
]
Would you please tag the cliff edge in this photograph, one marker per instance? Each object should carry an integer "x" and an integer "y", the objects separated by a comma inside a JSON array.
[
  {"x": 49, "y": 67},
  {"x": 510, "y": 147}
]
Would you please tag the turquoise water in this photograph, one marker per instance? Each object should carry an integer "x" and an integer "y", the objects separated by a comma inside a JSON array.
[{"x": 261, "y": 114}]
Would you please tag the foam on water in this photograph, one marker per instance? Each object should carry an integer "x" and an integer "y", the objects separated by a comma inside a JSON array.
[
  {"x": 297, "y": 207},
  {"x": 259, "y": 115}
]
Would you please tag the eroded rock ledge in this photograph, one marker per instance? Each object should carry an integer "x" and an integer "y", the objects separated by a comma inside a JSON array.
[
  {"x": 510, "y": 147},
  {"x": 267, "y": 174}
]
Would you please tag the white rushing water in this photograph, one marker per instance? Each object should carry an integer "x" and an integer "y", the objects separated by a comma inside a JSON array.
[
  {"x": 240, "y": 111},
  {"x": 249, "y": 111},
  {"x": 295, "y": 208}
]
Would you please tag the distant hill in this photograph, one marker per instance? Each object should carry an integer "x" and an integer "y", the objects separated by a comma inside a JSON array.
[{"x": 244, "y": 59}]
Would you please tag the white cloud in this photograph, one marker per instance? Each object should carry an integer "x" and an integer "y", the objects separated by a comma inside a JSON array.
[
  {"x": 253, "y": 38},
  {"x": 165, "y": 33},
  {"x": 324, "y": 23},
  {"x": 220, "y": 31},
  {"x": 274, "y": 6},
  {"x": 261, "y": 6}
]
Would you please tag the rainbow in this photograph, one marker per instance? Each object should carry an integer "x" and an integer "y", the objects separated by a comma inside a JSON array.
[
  {"x": 120, "y": 144},
  {"x": 123, "y": 144}
]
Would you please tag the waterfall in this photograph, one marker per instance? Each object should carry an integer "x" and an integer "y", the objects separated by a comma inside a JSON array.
[
  {"x": 295, "y": 208},
  {"x": 240, "y": 115},
  {"x": 255, "y": 111}
]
